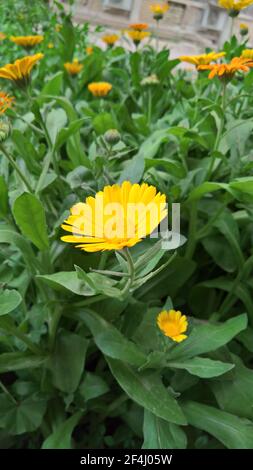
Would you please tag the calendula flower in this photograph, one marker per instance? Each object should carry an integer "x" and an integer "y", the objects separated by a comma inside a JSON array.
[
  {"x": 247, "y": 54},
  {"x": 28, "y": 42},
  {"x": 138, "y": 26},
  {"x": 99, "y": 89},
  {"x": 2, "y": 36},
  {"x": 89, "y": 50},
  {"x": 73, "y": 68},
  {"x": 235, "y": 6},
  {"x": 117, "y": 217},
  {"x": 20, "y": 71},
  {"x": 138, "y": 36},
  {"x": 173, "y": 324},
  {"x": 202, "y": 59},
  {"x": 227, "y": 71},
  {"x": 5, "y": 130},
  {"x": 50, "y": 45},
  {"x": 110, "y": 39},
  {"x": 5, "y": 101},
  {"x": 244, "y": 29},
  {"x": 159, "y": 10}
]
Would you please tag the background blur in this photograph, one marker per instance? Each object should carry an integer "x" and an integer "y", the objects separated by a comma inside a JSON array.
[{"x": 188, "y": 27}]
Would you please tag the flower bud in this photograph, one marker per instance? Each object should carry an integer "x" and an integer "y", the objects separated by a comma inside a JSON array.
[
  {"x": 158, "y": 16},
  {"x": 112, "y": 136},
  {"x": 233, "y": 13},
  {"x": 244, "y": 30},
  {"x": 151, "y": 80},
  {"x": 5, "y": 130}
]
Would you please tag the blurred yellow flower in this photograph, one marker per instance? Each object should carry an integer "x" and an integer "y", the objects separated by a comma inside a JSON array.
[
  {"x": 2, "y": 36},
  {"x": 5, "y": 101},
  {"x": 110, "y": 39},
  {"x": 243, "y": 26},
  {"x": 27, "y": 41},
  {"x": 235, "y": 5},
  {"x": 50, "y": 45},
  {"x": 99, "y": 89},
  {"x": 202, "y": 59},
  {"x": 117, "y": 217},
  {"x": 247, "y": 54},
  {"x": 138, "y": 36},
  {"x": 159, "y": 10},
  {"x": 227, "y": 71},
  {"x": 173, "y": 324},
  {"x": 89, "y": 50},
  {"x": 58, "y": 28},
  {"x": 138, "y": 26},
  {"x": 73, "y": 68},
  {"x": 19, "y": 72}
]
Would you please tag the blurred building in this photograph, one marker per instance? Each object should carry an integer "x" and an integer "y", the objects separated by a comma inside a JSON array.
[{"x": 187, "y": 28}]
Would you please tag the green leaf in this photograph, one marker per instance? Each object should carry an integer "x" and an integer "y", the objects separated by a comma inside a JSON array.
[
  {"x": 24, "y": 416},
  {"x": 68, "y": 281},
  {"x": 236, "y": 135},
  {"x": 61, "y": 437},
  {"x": 110, "y": 341},
  {"x": 3, "y": 197},
  {"x": 19, "y": 360},
  {"x": 65, "y": 133},
  {"x": 9, "y": 300},
  {"x": 55, "y": 121},
  {"x": 67, "y": 361},
  {"x": 206, "y": 338},
  {"x": 54, "y": 85},
  {"x": 205, "y": 188},
  {"x": 93, "y": 386},
  {"x": 103, "y": 122},
  {"x": 30, "y": 217},
  {"x": 202, "y": 367},
  {"x": 159, "y": 434},
  {"x": 233, "y": 432},
  {"x": 148, "y": 391},
  {"x": 171, "y": 166}
]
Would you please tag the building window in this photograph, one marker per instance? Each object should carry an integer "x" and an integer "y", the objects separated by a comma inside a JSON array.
[{"x": 213, "y": 18}]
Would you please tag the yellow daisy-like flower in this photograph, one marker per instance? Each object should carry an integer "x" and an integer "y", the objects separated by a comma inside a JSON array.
[
  {"x": 110, "y": 39},
  {"x": 138, "y": 36},
  {"x": 5, "y": 101},
  {"x": 227, "y": 71},
  {"x": 243, "y": 26},
  {"x": 247, "y": 54},
  {"x": 100, "y": 89},
  {"x": 236, "y": 5},
  {"x": 89, "y": 50},
  {"x": 50, "y": 45},
  {"x": 20, "y": 71},
  {"x": 73, "y": 68},
  {"x": 28, "y": 42},
  {"x": 202, "y": 59},
  {"x": 173, "y": 324},
  {"x": 2, "y": 36},
  {"x": 158, "y": 10},
  {"x": 138, "y": 26},
  {"x": 117, "y": 217}
]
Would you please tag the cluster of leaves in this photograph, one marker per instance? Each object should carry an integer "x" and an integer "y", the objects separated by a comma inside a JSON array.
[{"x": 81, "y": 365}]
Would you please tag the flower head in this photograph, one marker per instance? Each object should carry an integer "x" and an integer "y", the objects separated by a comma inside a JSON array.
[
  {"x": 27, "y": 41},
  {"x": 89, "y": 50},
  {"x": 20, "y": 71},
  {"x": 138, "y": 26},
  {"x": 159, "y": 10},
  {"x": 73, "y": 68},
  {"x": 58, "y": 27},
  {"x": 235, "y": 6},
  {"x": 244, "y": 29},
  {"x": 227, "y": 71},
  {"x": 138, "y": 36},
  {"x": 247, "y": 54},
  {"x": 117, "y": 217},
  {"x": 99, "y": 89},
  {"x": 2, "y": 36},
  {"x": 173, "y": 324},
  {"x": 110, "y": 39},
  {"x": 50, "y": 45},
  {"x": 151, "y": 80},
  {"x": 202, "y": 59},
  {"x": 5, "y": 101}
]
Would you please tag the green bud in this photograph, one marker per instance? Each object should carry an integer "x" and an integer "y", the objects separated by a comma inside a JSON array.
[
  {"x": 158, "y": 16},
  {"x": 151, "y": 80},
  {"x": 5, "y": 130},
  {"x": 112, "y": 136},
  {"x": 233, "y": 13}
]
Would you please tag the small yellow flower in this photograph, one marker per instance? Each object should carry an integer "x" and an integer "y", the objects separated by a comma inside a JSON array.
[
  {"x": 73, "y": 68},
  {"x": 27, "y": 41},
  {"x": 99, "y": 89},
  {"x": 138, "y": 26},
  {"x": 173, "y": 324},
  {"x": 236, "y": 5},
  {"x": 58, "y": 28},
  {"x": 243, "y": 26},
  {"x": 50, "y": 45},
  {"x": 247, "y": 54},
  {"x": 227, "y": 71},
  {"x": 20, "y": 71},
  {"x": 244, "y": 29},
  {"x": 138, "y": 36},
  {"x": 89, "y": 50},
  {"x": 158, "y": 10},
  {"x": 117, "y": 217},
  {"x": 202, "y": 59},
  {"x": 110, "y": 39},
  {"x": 5, "y": 101},
  {"x": 2, "y": 36}
]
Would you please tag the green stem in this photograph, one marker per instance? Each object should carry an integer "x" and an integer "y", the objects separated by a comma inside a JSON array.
[
  {"x": 16, "y": 168},
  {"x": 131, "y": 271},
  {"x": 53, "y": 325},
  {"x": 192, "y": 231},
  {"x": 13, "y": 330},
  {"x": 43, "y": 175},
  {"x": 149, "y": 105},
  {"x": 6, "y": 391}
]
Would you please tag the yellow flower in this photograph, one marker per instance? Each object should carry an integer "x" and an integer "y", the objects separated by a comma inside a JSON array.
[
  {"x": 5, "y": 101},
  {"x": 99, "y": 88},
  {"x": 227, "y": 71},
  {"x": 2, "y": 36},
  {"x": 50, "y": 45},
  {"x": 117, "y": 217},
  {"x": 158, "y": 10},
  {"x": 173, "y": 324},
  {"x": 58, "y": 28},
  {"x": 73, "y": 68},
  {"x": 110, "y": 39},
  {"x": 89, "y": 50},
  {"x": 27, "y": 41},
  {"x": 202, "y": 59},
  {"x": 247, "y": 54},
  {"x": 243, "y": 26},
  {"x": 235, "y": 5},
  {"x": 138, "y": 26},
  {"x": 20, "y": 71},
  {"x": 138, "y": 36}
]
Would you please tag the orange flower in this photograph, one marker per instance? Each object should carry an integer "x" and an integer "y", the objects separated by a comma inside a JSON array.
[
  {"x": 2, "y": 36},
  {"x": 20, "y": 71},
  {"x": 5, "y": 101},
  {"x": 110, "y": 39},
  {"x": 227, "y": 71},
  {"x": 89, "y": 50},
  {"x": 99, "y": 89},
  {"x": 138, "y": 36},
  {"x": 173, "y": 324},
  {"x": 138, "y": 26},
  {"x": 73, "y": 68},
  {"x": 27, "y": 41}
]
